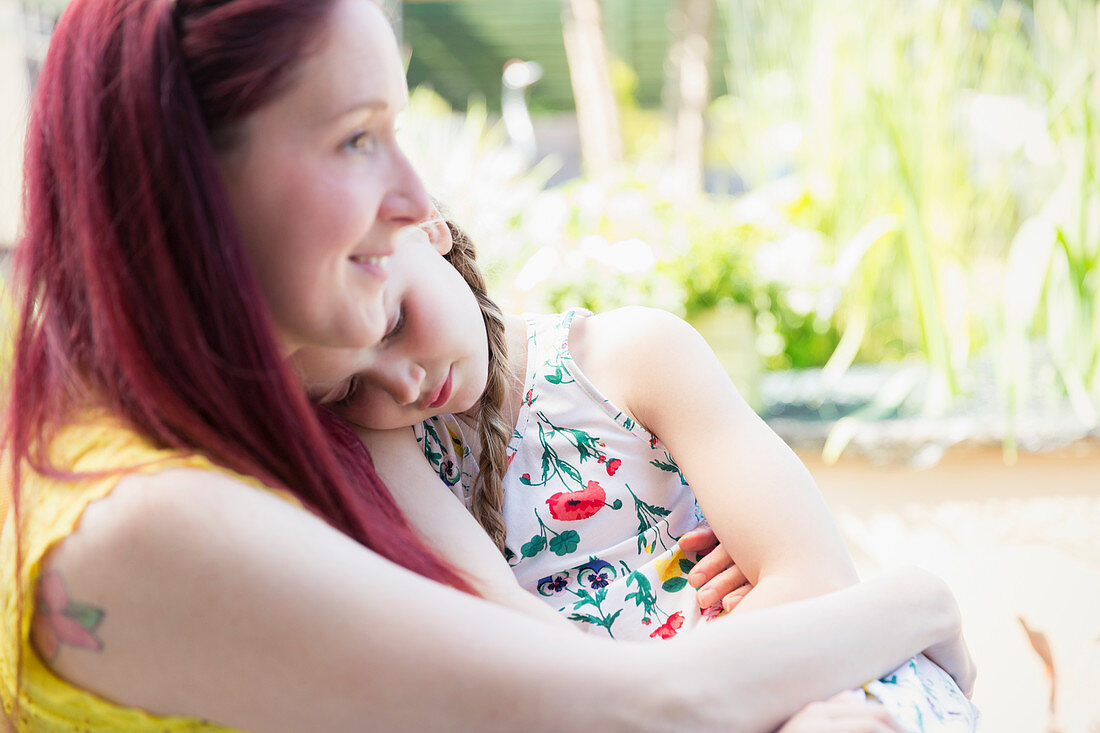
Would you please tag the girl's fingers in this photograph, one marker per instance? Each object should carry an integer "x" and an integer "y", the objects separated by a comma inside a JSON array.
[
  {"x": 843, "y": 714},
  {"x": 866, "y": 722},
  {"x": 726, "y": 582},
  {"x": 701, "y": 539},
  {"x": 731, "y": 599},
  {"x": 709, "y": 567}
]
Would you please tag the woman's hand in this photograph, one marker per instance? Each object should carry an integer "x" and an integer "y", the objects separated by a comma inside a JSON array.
[
  {"x": 951, "y": 652},
  {"x": 716, "y": 576},
  {"x": 846, "y": 712},
  {"x": 953, "y": 656}
]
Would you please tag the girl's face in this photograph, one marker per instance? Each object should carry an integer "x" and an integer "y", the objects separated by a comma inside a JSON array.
[
  {"x": 320, "y": 188},
  {"x": 433, "y": 359}
]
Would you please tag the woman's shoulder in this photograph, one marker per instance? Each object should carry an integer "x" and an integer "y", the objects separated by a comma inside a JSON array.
[
  {"x": 163, "y": 567},
  {"x": 104, "y": 537},
  {"x": 89, "y": 458}
]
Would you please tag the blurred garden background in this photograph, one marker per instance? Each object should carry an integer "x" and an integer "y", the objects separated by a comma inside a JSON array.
[{"x": 883, "y": 214}]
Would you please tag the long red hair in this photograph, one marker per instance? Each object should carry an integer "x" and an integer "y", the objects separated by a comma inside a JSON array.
[{"x": 136, "y": 291}]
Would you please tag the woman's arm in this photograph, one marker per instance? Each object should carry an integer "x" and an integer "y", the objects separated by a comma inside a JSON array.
[
  {"x": 757, "y": 495},
  {"x": 223, "y": 602}
]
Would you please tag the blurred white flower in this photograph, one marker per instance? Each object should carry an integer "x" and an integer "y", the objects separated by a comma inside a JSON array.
[
  {"x": 537, "y": 269},
  {"x": 792, "y": 260}
]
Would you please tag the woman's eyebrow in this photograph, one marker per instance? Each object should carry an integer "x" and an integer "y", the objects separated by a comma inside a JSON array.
[{"x": 368, "y": 105}]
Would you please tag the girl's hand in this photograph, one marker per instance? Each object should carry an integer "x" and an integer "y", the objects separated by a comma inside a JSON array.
[
  {"x": 846, "y": 712},
  {"x": 716, "y": 576}
]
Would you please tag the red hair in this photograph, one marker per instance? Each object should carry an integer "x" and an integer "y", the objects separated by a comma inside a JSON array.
[{"x": 136, "y": 289}]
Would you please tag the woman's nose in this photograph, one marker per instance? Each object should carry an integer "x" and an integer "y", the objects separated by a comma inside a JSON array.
[{"x": 406, "y": 202}]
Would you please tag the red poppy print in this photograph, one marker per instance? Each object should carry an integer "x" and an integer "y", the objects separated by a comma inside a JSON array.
[
  {"x": 712, "y": 612},
  {"x": 571, "y": 506},
  {"x": 613, "y": 466},
  {"x": 668, "y": 629}
]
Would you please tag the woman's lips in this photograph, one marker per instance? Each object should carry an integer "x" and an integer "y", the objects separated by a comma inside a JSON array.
[
  {"x": 444, "y": 392},
  {"x": 376, "y": 265}
]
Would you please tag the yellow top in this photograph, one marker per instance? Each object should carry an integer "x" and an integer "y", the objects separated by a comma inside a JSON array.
[{"x": 49, "y": 511}]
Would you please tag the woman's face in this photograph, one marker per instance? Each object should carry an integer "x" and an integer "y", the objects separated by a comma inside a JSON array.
[
  {"x": 320, "y": 188},
  {"x": 433, "y": 359}
]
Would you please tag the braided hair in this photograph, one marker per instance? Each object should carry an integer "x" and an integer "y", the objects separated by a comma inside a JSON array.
[{"x": 494, "y": 431}]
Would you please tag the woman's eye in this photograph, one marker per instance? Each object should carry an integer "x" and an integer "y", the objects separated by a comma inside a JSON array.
[{"x": 362, "y": 141}]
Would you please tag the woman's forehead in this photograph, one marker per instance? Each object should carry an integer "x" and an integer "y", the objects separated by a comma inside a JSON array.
[{"x": 356, "y": 67}]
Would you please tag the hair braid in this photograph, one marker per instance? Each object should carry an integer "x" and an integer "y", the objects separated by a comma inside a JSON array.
[{"x": 493, "y": 430}]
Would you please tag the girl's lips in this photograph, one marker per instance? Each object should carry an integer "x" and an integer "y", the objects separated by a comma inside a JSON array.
[{"x": 444, "y": 392}]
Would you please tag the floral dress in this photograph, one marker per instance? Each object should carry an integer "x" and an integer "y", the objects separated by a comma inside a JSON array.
[{"x": 594, "y": 504}]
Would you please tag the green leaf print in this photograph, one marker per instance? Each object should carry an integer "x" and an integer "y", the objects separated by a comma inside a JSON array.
[
  {"x": 586, "y": 599},
  {"x": 87, "y": 616},
  {"x": 643, "y": 597},
  {"x": 556, "y": 377},
  {"x": 686, "y": 566},
  {"x": 674, "y": 585},
  {"x": 565, "y": 542},
  {"x": 534, "y": 546},
  {"x": 588, "y": 446},
  {"x": 552, "y": 465},
  {"x": 648, "y": 517},
  {"x": 669, "y": 465},
  {"x": 570, "y": 471},
  {"x": 611, "y": 619}
]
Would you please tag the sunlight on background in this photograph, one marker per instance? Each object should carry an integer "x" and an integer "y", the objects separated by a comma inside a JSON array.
[
  {"x": 900, "y": 202},
  {"x": 883, "y": 214}
]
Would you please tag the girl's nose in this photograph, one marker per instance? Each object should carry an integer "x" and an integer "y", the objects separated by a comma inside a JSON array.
[{"x": 403, "y": 382}]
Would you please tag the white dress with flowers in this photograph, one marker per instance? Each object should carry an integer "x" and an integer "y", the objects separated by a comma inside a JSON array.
[{"x": 594, "y": 504}]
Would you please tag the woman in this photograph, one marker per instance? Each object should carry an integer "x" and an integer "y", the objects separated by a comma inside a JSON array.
[{"x": 212, "y": 185}]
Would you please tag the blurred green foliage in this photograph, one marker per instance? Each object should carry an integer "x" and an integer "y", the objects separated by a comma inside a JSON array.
[{"x": 898, "y": 179}]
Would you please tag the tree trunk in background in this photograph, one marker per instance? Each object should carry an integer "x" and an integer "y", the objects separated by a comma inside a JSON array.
[
  {"x": 14, "y": 106},
  {"x": 687, "y": 94},
  {"x": 597, "y": 115}
]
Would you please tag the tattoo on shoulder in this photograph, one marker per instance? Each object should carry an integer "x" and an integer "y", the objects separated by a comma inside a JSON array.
[{"x": 59, "y": 620}]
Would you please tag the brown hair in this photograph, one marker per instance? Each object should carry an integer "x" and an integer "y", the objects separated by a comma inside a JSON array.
[{"x": 494, "y": 431}]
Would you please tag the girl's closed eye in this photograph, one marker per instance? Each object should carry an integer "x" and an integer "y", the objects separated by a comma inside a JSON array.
[
  {"x": 350, "y": 391},
  {"x": 397, "y": 327}
]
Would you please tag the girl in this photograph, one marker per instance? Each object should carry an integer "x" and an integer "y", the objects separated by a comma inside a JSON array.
[
  {"x": 582, "y": 497},
  {"x": 211, "y": 186}
]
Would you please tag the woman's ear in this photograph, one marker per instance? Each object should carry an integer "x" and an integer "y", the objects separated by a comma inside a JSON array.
[{"x": 439, "y": 234}]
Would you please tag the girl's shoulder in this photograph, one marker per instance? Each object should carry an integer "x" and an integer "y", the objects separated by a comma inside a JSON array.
[
  {"x": 617, "y": 350},
  {"x": 617, "y": 341}
]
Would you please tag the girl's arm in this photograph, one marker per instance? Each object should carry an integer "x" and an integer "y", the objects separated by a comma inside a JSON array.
[
  {"x": 757, "y": 495},
  {"x": 446, "y": 525},
  {"x": 221, "y": 601}
]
